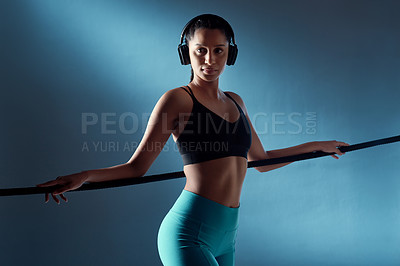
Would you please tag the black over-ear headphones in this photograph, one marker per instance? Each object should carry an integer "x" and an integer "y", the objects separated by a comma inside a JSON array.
[{"x": 183, "y": 48}]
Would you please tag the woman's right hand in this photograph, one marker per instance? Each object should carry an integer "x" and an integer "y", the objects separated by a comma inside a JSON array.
[{"x": 66, "y": 183}]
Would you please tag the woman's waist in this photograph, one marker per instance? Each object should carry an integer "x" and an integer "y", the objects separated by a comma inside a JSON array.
[
  {"x": 228, "y": 198},
  {"x": 232, "y": 167},
  {"x": 219, "y": 180}
]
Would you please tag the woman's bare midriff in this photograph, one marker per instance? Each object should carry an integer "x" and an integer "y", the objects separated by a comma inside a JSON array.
[{"x": 219, "y": 180}]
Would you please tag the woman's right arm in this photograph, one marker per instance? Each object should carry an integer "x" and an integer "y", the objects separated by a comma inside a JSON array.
[{"x": 162, "y": 122}]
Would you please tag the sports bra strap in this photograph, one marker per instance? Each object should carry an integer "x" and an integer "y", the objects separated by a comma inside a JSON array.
[
  {"x": 237, "y": 105},
  {"x": 190, "y": 90},
  {"x": 190, "y": 93}
]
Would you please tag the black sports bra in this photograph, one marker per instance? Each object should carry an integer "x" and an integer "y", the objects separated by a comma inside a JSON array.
[{"x": 207, "y": 136}]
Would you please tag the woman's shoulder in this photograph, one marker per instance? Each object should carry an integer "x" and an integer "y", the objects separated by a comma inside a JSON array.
[
  {"x": 176, "y": 92},
  {"x": 176, "y": 98},
  {"x": 173, "y": 93}
]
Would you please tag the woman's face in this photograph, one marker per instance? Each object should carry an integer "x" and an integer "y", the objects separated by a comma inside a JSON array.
[{"x": 208, "y": 51}]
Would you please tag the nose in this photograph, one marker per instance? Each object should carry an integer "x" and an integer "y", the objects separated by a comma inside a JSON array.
[{"x": 209, "y": 58}]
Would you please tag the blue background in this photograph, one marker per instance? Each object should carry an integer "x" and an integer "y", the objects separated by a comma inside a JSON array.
[{"x": 307, "y": 70}]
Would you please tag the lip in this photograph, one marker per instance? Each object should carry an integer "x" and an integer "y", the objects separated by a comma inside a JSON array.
[{"x": 209, "y": 70}]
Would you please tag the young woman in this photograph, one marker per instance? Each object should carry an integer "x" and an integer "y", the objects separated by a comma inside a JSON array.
[{"x": 216, "y": 139}]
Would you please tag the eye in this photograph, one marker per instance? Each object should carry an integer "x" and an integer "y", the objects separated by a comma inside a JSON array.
[
  {"x": 201, "y": 50},
  {"x": 218, "y": 50}
]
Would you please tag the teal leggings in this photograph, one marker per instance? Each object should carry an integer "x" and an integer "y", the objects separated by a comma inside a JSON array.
[{"x": 198, "y": 232}]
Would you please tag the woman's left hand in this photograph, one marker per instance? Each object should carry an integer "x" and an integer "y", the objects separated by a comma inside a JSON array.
[{"x": 331, "y": 146}]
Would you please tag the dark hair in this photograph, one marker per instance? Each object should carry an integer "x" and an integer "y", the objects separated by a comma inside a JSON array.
[{"x": 208, "y": 21}]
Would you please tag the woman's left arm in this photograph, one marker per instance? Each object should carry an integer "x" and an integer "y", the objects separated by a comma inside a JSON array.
[{"x": 257, "y": 151}]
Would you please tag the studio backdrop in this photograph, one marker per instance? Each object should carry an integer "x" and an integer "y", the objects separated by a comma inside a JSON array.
[{"x": 80, "y": 78}]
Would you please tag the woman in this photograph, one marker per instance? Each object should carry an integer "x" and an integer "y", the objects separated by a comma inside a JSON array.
[{"x": 215, "y": 137}]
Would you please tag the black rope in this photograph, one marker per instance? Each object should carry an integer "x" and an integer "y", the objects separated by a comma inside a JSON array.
[{"x": 173, "y": 175}]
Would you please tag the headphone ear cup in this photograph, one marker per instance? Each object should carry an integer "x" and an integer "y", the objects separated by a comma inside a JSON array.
[
  {"x": 232, "y": 54},
  {"x": 183, "y": 51}
]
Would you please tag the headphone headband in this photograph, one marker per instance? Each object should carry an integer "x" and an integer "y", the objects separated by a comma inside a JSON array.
[{"x": 195, "y": 19}]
